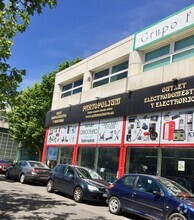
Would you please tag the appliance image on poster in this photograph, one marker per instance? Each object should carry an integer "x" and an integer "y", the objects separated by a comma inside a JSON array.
[
  {"x": 168, "y": 130},
  {"x": 179, "y": 135}
]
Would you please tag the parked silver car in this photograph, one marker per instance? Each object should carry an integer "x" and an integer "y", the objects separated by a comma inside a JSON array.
[{"x": 28, "y": 171}]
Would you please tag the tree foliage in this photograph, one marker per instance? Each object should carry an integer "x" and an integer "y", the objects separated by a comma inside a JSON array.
[
  {"x": 27, "y": 116},
  {"x": 14, "y": 17}
]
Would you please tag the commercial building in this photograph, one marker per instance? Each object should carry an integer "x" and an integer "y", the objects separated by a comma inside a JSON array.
[
  {"x": 129, "y": 107},
  {"x": 8, "y": 147}
]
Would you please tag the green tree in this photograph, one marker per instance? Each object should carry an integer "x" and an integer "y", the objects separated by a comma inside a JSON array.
[
  {"x": 27, "y": 116},
  {"x": 14, "y": 17}
]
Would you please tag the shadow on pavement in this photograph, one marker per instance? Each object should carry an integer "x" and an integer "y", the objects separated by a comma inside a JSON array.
[{"x": 14, "y": 204}]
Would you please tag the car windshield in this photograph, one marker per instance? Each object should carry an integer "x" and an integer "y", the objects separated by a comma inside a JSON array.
[
  {"x": 175, "y": 189},
  {"x": 37, "y": 164},
  {"x": 85, "y": 173},
  {"x": 5, "y": 161}
]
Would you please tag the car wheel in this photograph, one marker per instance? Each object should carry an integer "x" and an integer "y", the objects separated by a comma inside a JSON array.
[
  {"x": 114, "y": 205},
  {"x": 78, "y": 194},
  {"x": 22, "y": 178},
  {"x": 7, "y": 175},
  {"x": 49, "y": 186},
  {"x": 177, "y": 216}
]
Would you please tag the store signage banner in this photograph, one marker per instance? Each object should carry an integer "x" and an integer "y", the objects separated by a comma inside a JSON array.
[
  {"x": 52, "y": 153},
  {"x": 175, "y": 94},
  {"x": 101, "y": 132},
  {"x": 63, "y": 134},
  {"x": 175, "y": 23},
  {"x": 110, "y": 107},
  {"x": 172, "y": 95},
  {"x": 143, "y": 129},
  {"x": 88, "y": 132},
  {"x": 110, "y": 131}
]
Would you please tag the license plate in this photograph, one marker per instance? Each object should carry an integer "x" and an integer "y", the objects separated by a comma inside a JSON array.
[{"x": 104, "y": 195}]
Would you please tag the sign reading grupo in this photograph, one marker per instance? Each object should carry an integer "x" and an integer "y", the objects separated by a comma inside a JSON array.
[
  {"x": 178, "y": 22},
  {"x": 171, "y": 95}
]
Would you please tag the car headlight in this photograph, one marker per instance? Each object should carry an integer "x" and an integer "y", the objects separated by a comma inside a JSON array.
[
  {"x": 92, "y": 188},
  {"x": 0, "y": 166}
]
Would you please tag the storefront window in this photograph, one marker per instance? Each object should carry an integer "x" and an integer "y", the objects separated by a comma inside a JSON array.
[
  {"x": 66, "y": 155},
  {"x": 177, "y": 165},
  {"x": 141, "y": 160},
  {"x": 103, "y": 159}
]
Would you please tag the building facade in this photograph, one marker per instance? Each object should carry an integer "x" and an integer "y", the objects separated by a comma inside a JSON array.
[
  {"x": 129, "y": 107},
  {"x": 8, "y": 147}
]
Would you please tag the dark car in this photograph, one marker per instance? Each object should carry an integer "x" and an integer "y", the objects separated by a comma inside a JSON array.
[
  {"x": 28, "y": 171},
  {"x": 151, "y": 197},
  {"x": 4, "y": 164},
  {"x": 80, "y": 182}
]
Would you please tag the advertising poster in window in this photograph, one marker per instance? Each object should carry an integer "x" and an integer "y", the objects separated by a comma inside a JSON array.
[
  {"x": 177, "y": 127},
  {"x": 52, "y": 153},
  {"x": 63, "y": 134},
  {"x": 143, "y": 129},
  {"x": 110, "y": 131},
  {"x": 88, "y": 132}
]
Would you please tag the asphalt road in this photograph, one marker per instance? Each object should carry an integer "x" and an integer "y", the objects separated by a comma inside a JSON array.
[{"x": 32, "y": 201}]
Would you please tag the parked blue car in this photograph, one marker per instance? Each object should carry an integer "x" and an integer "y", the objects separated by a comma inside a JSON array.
[
  {"x": 80, "y": 182},
  {"x": 151, "y": 197}
]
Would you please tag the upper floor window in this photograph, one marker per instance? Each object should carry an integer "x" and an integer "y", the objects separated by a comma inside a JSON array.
[
  {"x": 173, "y": 52},
  {"x": 111, "y": 74},
  {"x": 72, "y": 88}
]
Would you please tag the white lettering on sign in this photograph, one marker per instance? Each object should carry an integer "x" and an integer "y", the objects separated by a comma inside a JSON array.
[{"x": 175, "y": 23}]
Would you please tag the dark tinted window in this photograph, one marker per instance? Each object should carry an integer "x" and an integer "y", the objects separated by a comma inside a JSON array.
[
  {"x": 67, "y": 87},
  {"x": 60, "y": 169},
  {"x": 128, "y": 180},
  {"x": 37, "y": 164},
  {"x": 69, "y": 171},
  {"x": 147, "y": 184},
  {"x": 5, "y": 161}
]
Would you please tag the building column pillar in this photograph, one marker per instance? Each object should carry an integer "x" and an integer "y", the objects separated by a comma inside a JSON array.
[{"x": 135, "y": 63}]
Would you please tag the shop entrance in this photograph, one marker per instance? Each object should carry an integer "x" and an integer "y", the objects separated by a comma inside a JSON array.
[
  {"x": 141, "y": 160},
  {"x": 104, "y": 160},
  {"x": 177, "y": 164}
]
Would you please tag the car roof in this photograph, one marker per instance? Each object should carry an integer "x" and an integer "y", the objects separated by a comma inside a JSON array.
[
  {"x": 140, "y": 174},
  {"x": 75, "y": 166}
]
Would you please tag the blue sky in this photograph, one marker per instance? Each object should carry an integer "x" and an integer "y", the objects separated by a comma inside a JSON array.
[{"x": 80, "y": 28}]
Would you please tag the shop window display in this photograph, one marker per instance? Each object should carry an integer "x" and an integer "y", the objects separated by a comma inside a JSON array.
[
  {"x": 104, "y": 160},
  {"x": 177, "y": 165},
  {"x": 141, "y": 160}
]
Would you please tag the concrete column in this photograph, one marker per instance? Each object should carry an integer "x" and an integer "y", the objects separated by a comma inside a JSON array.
[
  {"x": 135, "y": 63},
  {"x": 87, "y": 81}
]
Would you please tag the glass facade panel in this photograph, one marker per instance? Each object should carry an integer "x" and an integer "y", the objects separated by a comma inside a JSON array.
[
  {"x": 189, "y": 41},
  {"x": 78, "y": 83},
  {"x": 67, "y": 87},
  {"x": 77, "y": 90},
  {"x": 141, "y": 160},
  {"x": 100, "y": 83},
  {"x": 183, "y": 55},
  {"x": 157, "y": 53},
  {"x": 104, "y": 160},
  {"x": 177, "y": 165},
  {"x": 66, "y": 154},
  {"x": 156, "y": 64},
  {"x": 119, "y": 76},
  {"x": 65, "y": 94},
  {"x": 101, "y": 74},
  {"x": 119, "y": 67}
]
